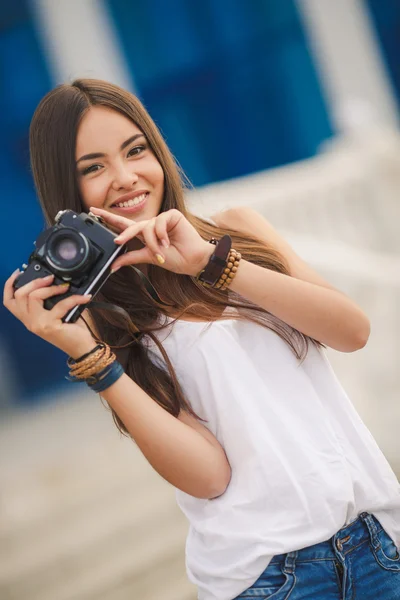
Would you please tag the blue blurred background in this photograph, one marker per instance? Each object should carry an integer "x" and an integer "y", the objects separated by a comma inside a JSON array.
[
  {"x": 288, "y": 106},
  {"x": 231, "y": 83}
]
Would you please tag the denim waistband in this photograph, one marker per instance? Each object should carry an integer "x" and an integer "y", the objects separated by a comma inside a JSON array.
[{"x": 365, "y": 528}]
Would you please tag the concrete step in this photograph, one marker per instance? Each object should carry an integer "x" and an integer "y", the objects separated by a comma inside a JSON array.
[
  {"x": 87, "y": 572},
  {"x": 85, "y": 527},
  {"x": 82, "y": 521}
]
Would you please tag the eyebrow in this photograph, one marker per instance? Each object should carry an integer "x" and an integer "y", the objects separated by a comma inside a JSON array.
[{"x": 122, "y": 147}]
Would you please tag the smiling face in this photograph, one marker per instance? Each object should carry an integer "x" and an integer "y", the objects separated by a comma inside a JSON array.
[{"x": 116, "y": 168}]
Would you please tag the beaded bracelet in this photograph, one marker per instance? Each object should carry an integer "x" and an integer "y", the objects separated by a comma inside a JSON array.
[{"x": 229, "y": 273}]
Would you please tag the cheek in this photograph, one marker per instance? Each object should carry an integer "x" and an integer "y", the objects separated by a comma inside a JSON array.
[
  {"x": 91, "y": 192},
  {"x": 158, "y": 176}
]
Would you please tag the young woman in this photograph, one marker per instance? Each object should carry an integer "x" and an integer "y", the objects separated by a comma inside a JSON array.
[{"x": 225, "y": 387}]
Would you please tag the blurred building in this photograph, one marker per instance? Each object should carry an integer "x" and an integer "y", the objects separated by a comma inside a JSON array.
[
  {"x": 290, "y": 106},
  {"x": 236, "y": 88}
]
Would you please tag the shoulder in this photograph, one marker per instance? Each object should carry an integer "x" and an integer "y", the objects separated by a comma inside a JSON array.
[
  {"x": 237, "y": 217},
  {"x": 246, "y": 220}
]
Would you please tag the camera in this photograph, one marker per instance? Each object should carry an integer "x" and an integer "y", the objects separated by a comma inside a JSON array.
[{"x": 79, "y": 249}]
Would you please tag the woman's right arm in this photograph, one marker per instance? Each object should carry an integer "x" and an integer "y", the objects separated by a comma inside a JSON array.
[{"x": 180, "y": 449}]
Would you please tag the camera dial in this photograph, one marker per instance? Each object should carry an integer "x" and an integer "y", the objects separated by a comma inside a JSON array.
[{"x": 59, "y": 215}]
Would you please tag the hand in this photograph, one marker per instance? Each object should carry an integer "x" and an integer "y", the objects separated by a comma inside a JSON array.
[
  {"x": 170, "y": 242},
  {"x": 27, "y": 304}
]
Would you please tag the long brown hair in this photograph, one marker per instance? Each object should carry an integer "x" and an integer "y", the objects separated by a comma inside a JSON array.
[{"x": 53, "y": 135}]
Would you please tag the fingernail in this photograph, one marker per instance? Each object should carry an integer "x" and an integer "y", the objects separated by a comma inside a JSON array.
[
  {"x": 160, "y": 259},
  {"x": 114, "y": 270},
  {"x": 48, "y": 277},
  {"x": 15, "y": 272},
  {"x": 64, "y": 285},
  {"x": 88, "y": 296},
  {"x": 165, "y": 243}
]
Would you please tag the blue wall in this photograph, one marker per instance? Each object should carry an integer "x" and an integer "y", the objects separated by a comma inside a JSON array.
[
  {"x": 386, "y": 17},
  {"x": 23, "y": 81},
  {"x": 230, "y": 82}
]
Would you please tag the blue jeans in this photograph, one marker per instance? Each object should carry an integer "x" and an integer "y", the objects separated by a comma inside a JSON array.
[{"x": 360, "y": 562}]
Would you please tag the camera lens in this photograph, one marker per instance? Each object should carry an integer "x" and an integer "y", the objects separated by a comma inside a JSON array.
[{"x": 68, "y": 251}]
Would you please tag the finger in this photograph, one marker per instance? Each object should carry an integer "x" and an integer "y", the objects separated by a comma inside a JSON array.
[
  {"x": 48, "y": 292},
  {"x": 144, "y": 255},
  {"x": 8, "y": 292},
  {"x": 150, "y": 238},
  {"x": 61, "y": 308},
  {"x": 161, "y": 229},
  {"x": 21, "y": 296},
  {"x": 35, "y": 284},
  {"x": 36, "y": 298},
  {"x": 120, "y": 223},
  {"x": 135, "y": 230}
]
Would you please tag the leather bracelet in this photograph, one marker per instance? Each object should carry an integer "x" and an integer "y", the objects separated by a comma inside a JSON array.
[
  {"x": 91, "y": 364},
  {"x": 213, "y": 270},
  {"x": 106, "y": 378},
  {"x": 72, "y": 362}
]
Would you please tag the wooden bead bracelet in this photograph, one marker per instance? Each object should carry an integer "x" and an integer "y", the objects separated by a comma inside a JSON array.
[{"x": 230, "y": 271}]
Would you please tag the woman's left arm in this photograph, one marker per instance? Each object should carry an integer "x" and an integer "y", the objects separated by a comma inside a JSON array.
[{"x": 303, "y": 300}]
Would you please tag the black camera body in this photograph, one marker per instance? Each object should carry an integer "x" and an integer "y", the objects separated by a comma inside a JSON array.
[{"x": 78, "y": 250}]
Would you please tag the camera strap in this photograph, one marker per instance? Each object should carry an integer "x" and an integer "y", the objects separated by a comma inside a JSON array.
[
  {"x": 149, "y": 286},
  {"x": 105, "y": 305}
]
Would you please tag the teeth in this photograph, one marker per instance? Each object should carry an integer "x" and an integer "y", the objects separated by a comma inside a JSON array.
[{"x": 132, "y": 202}]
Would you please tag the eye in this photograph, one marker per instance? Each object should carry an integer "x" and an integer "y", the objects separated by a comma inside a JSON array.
[
  {"x": 91, "y": 169},
  {"x": 137, "y": 150}
]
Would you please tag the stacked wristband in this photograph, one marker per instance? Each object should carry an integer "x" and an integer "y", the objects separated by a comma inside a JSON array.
[
  {"x": 98, "y": 368},
  {"x": 222, "y": 266}
]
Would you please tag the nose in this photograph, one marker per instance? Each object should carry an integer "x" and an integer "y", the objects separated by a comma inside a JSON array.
[{"x": 124, "y": 177}]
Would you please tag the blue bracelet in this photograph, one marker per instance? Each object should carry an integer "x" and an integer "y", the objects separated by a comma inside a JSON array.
[{"x": 103, "y": 380}]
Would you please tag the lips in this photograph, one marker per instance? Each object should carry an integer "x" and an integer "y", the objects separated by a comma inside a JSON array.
[
  {"x": 132, "y": 205},
  {"x": 131, "y": 201}
]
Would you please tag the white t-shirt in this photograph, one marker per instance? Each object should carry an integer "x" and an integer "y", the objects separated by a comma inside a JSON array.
[{"x": 303, "y": 462}]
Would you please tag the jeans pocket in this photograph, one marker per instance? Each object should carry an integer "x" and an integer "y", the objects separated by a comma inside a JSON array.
[
  {"x": 273, "y": 584},
  {"x": 386, "y": 554}
]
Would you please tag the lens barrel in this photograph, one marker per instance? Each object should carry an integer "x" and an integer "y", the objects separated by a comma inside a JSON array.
[{"x": 68, "y": 251}]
